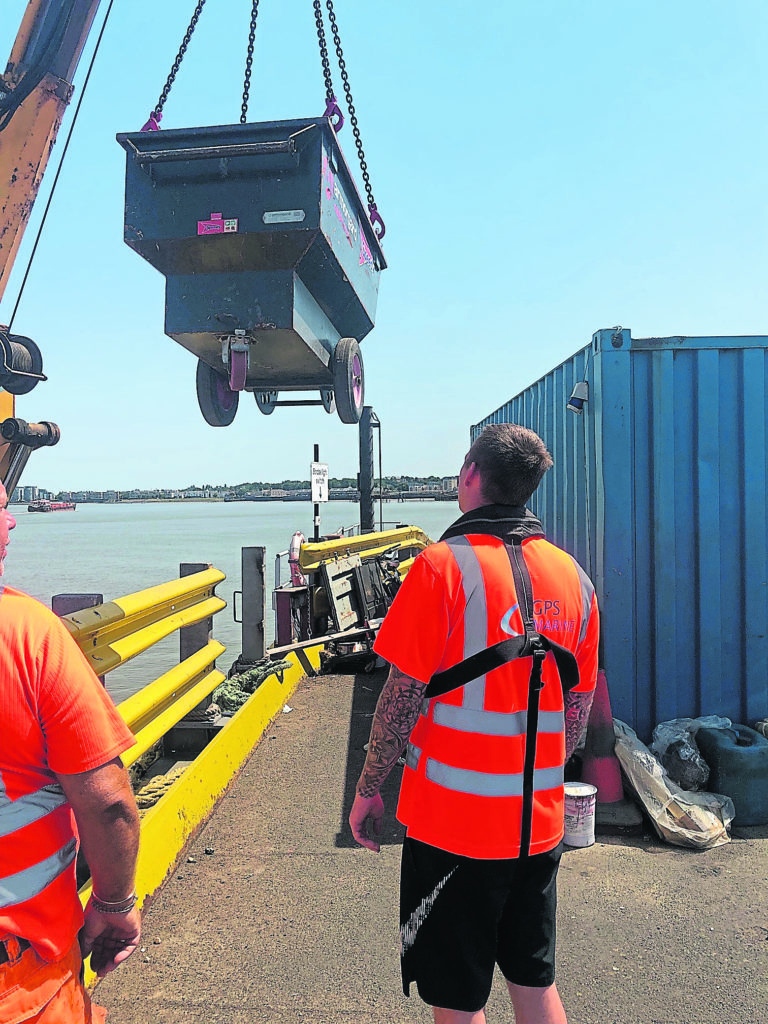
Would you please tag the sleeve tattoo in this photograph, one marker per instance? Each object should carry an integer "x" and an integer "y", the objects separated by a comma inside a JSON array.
[
  {"x": 397, "y": 712},
  {"x": 577, "y": 707}
]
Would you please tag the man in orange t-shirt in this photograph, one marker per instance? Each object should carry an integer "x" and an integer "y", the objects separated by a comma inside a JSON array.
[
  {"x": 61, "y": 778},
  {"x": 482, "y": 790}
]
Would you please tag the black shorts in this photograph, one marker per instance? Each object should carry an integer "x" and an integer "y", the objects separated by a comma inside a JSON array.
[{"x": 459, "y": 917}]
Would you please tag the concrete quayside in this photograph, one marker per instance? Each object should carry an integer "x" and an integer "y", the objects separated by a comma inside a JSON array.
[{"x": 272, "y": 914}]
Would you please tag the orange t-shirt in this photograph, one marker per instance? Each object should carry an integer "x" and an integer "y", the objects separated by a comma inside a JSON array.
[{"x": 56, "y": 718}]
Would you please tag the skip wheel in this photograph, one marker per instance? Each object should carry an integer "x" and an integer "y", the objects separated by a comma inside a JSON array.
[
  {"x": 348, "y": 380},
  {"x": 217, "y": 401}
]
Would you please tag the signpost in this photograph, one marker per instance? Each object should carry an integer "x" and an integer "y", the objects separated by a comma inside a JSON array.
[{"x": 318, "y": 476}]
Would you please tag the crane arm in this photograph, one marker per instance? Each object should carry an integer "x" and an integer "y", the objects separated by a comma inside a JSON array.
[{"x": 34, "y": 93}]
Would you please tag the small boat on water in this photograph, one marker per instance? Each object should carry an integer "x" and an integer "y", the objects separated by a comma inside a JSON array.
[{"x": 43, "y": 505}]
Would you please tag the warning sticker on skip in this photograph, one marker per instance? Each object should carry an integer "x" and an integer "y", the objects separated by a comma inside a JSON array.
[
  {"x": 283, "y": 216},
  {"x": 217, "y": 224}
]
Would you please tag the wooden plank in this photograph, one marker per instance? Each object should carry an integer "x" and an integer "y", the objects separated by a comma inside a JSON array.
[{"x": 347, "y": 635}]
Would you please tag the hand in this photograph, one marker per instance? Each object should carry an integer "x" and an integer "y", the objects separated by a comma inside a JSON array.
[
  {"x": 365, "y": 820},
  {"x": 109, "y": 938}
]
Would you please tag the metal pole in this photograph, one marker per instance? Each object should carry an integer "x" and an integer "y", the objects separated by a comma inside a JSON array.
[
  {"x": 381, "y": 482},
  {"x": 254, "y": 604},
  {"x": 317, "y": 507},
  {"x": 365, "y": 478}
]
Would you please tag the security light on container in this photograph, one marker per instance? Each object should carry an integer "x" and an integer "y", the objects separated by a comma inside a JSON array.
[{"x": 579, "y": 396}]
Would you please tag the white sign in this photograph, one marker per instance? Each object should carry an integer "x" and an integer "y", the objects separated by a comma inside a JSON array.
[
  {"x": 319, "y": 481},
  {"x": 283, "y": 216}
]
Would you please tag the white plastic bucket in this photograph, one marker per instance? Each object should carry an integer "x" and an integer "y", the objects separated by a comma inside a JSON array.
[{"x": 580, "y": 800}]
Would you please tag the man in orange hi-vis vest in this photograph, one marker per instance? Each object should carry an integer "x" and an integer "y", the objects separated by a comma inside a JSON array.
[
  {"x": 492, "y": 641},
  {"x": 60, "y": 777}
]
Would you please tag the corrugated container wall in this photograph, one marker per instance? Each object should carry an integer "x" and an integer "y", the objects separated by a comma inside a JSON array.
[{"x": 659, "y": 490}]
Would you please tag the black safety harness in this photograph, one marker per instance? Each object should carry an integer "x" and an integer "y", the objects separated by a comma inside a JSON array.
[{"x": 512, "y": 526}]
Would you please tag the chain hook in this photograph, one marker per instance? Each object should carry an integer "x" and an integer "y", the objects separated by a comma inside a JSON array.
[
  {"x": 153, "y": 124},
  {"x": 332, "y": 109},
  {"x": 376, "y": 221}
]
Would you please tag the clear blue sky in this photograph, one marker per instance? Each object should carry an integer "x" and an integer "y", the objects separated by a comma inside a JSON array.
[{"x": 544, "y": 169}]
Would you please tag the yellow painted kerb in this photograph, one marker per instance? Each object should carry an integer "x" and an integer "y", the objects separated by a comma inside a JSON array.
[{"x": 167, "y": 827}]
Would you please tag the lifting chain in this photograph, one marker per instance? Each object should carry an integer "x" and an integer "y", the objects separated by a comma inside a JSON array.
[
  {"x": 332, "y": 108},
  {"x": 156, "y": 115},
  {"x": 329, "y": 93},
  {"x": 331, "y": 98},
  {"x": 249, "y": 63}
]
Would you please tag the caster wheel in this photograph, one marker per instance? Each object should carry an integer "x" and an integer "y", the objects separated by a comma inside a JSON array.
[
  {"x": 217, "y": 401},
  {"x": 348, "y": 380}
]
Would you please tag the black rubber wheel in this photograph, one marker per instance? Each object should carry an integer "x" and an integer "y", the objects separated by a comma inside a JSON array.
[
  {"x": 348, "y": 380},
  {"x": 265, "y": 400},
  {"x": 217, "y": 401},
  {"x": 328, "y": 398}
]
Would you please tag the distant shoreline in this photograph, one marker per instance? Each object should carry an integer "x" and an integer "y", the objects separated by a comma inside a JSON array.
[{"x": 258, "y": 499}]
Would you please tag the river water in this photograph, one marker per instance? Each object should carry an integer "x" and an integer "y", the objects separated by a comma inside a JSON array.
[{"x": 119, "y": 549}]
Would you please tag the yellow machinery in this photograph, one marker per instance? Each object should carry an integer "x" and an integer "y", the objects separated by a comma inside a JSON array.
[{"x": 34, "y": 92}]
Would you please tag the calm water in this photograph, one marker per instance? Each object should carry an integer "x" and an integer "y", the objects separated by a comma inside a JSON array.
[{"x": 118, "y": 549}]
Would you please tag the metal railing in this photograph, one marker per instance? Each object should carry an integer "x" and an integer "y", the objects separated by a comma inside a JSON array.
[
  {"x": 113, "y": 633},
  {"x": 367, "y": 545}
]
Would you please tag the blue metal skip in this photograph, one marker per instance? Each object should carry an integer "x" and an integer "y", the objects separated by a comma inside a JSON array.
[{"x": 659, "y": 490}]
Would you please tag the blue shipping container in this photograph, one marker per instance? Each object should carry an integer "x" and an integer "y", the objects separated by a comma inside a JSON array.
[{"x": 659, "y": 490}]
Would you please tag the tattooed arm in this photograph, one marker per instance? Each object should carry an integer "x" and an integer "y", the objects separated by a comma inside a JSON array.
[
  {"x": 396, "y": 714},
  {"x": 577, "y": 707}
]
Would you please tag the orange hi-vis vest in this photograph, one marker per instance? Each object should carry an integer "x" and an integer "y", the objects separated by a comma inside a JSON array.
[
  {"x": 463, "y": 783},
  {"x": 56, "y": 719}
]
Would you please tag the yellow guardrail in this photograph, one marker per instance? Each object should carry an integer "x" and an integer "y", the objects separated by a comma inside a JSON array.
[
  {"x": 167, "y": 827},
  {"x": 156, "y": 708},
  {"x": 112, "y": 633},
  {"x": 314, "y": 553}
]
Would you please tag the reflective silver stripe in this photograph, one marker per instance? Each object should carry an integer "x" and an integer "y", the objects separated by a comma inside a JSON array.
[
  {"x": 475, "y": 615},
  {"x": 587, "y": 593},
  {"x": 425, "y": 706},
  {"x": 15, "y": 814},
  {"x": 461, "y": 780},
  {"x": 551, "y": 721},
  {"x": 412, "y": 755},
  {"x": 495, "y": 723},
  {"x": 489, "y": 723},
  {"x": 31, "y": 881}
]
